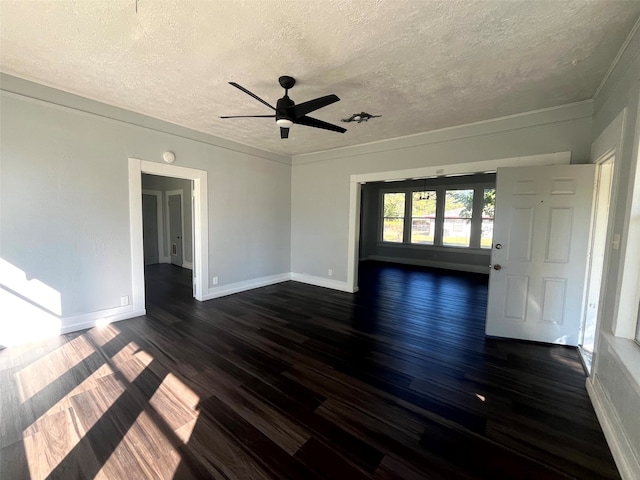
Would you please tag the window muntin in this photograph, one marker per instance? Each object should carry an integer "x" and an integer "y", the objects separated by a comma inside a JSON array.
[
  {"x": 393, "y": 217},
  {"x": 458, "y": 211},
  {"x": 488, "y": 211},
  {"x": 423, "y": 217}
]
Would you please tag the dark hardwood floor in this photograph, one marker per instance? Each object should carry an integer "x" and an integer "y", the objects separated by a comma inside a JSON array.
[{"x": 296, "y": 381}]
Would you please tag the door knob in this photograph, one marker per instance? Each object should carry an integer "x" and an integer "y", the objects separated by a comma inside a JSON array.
[
  {"x": 498, "y": 246},
  {"x": 497, "y": 266}
]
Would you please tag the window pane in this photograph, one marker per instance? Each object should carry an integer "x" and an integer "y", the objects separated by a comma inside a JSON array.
[
  {"x": 392, "y": 231},
  {"x": 394, "y": 205},
  {"x": 423, "y": 217},
  {"x": 488, "y": 208},
  {"x": 458, "y": 210},
  {"x": 393, "y": 218}
]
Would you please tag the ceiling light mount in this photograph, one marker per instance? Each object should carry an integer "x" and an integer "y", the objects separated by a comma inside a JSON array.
[{"x": 287, "y": 82}]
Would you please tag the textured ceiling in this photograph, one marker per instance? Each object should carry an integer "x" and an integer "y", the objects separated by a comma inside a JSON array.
[{"x": 422, "y": 65}]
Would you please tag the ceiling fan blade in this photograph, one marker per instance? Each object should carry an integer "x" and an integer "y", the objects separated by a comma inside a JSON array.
[
  {"x": 252, "y": 94},
  {"x": 314, "y": 122},
  {"x": 303, "y": 108},
  {"x": 249, "y": 116},
  {"x": 284, "y": 132}
]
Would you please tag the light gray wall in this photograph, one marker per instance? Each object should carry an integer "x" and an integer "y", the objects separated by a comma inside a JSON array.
[
  {"x": 165, "y": 184},
  {"x": 64, "y": 216},
  {"x": 617, "y": 361},
  {"x": 449, "y": 257},
  {"x": 320, "y": 182}
]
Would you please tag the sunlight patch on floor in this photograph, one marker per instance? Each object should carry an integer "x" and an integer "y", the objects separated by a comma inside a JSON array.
[
  {"x": 49, "y": 440},
  {"x": 48, "y": 369},
  {"x": 166, "y": 421}
]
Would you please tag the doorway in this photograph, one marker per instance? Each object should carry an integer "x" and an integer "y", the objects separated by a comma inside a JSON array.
[
  {"x": 356, "y": 182},
  {"x": 200, "y": 242},
  {"x": 595, "y": 273},
  {"x": 152, "y": 226}
]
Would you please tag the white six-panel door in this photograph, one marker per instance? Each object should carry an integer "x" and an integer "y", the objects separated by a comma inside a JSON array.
[{"x": 539, "y": 255}]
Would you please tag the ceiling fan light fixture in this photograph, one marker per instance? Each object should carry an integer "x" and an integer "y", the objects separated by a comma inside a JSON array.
[{"x": 284, "y": 123}]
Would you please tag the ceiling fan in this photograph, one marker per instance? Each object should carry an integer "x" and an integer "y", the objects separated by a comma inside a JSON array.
[{"x": 288, "y": 113}]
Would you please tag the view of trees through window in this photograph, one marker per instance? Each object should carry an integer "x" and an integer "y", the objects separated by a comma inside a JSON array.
[
  {"x": 456, "y": 221},
  {"x": 488, "y": 209},
  {"x": 458, "y": 210},
  {"x": 423, "y": 217},
  {"x": 393, "y": 220}
]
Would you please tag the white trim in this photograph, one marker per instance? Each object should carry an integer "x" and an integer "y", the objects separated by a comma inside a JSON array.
[
  {"x": 224, "y": 290},
  {"x": 137, "y": 246},
  {"x": 482, "y": 128},
  {"x": 558, "y": 158},
  {"x": 158, "y": 195},
  {"x": 608, "y": 158},
  {"x": 611, "y": 142},
  {"x": 169, "y": 193},
  {"x": 621, "y": 448},
  {"x": 40, "y": 92},
  {"x": 188, "y": 265},
  {"x": 617, "y": 58},
  {"x": 92, "y": 319},
  {"x": 200, "y": 224},
  {"x": 354, "y": 232},
  {"x": 323, "y": 282},
  {"x": 461, "y": 267}
]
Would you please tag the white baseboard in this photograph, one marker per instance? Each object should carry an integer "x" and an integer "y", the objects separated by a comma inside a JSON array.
[
  {"x": 188, "y": 265},
  {"x": 322, "y": 282},
  {"x": 461, "y": 267},
  {"x": 89, "y": 320},
  {"x": 621, "y": 449},
  {"x": 224, "y": 290}
]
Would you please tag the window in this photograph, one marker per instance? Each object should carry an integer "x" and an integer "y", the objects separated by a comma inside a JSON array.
[
  {"x": 423, "y": 217},
  {"x": 437, "y": 213},
  {"x": 488, "y": 210},
  {"x": 458, "y": 211},
  {"x": 393, "y": 218}
]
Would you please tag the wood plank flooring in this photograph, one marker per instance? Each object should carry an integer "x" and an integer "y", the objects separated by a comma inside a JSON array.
[{"x": 296, "y": 381}]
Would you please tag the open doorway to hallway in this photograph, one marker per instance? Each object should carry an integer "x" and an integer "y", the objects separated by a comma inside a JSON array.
[{"x": 167, "y": 225}]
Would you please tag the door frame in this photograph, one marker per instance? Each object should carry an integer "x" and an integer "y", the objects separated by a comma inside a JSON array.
[
  {"x": 180, "y": 192},
  {"x": 356, "y": 182},
  {"x": 200, "y": 225},
  {"x": 158, "y": 195},
  {"x": 607, "y": 157}
]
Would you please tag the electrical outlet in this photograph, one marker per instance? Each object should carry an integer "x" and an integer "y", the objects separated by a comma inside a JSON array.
[
  {"x": 124, "y": 301},
  {"x": 214, "y": 281},
  {"x": 330, "y": 273}
]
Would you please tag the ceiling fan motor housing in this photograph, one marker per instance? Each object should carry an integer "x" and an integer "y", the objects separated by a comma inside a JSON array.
[{"x": 283, "y": 108}]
